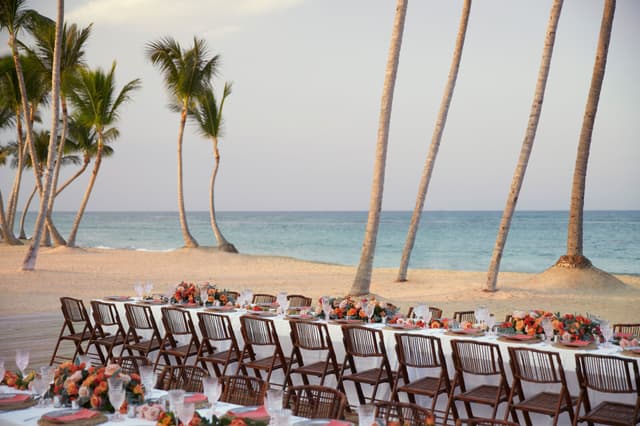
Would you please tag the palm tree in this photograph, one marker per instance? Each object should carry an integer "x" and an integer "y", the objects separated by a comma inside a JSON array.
[
  {"x": 208, "y": 116},
  {"x": 71, "y": 60},
  {"x": 435, "y": 144},
  {"x": 575, "y": 257},
  {"x": 362, "y": 280},
  {"x": 29, "y": 262},
  {"x": 96, "y": 105},
  {"x": 187, "y": 74},
  {"x": 6, "y": 235},
  {"x": 527, "y": 145}
]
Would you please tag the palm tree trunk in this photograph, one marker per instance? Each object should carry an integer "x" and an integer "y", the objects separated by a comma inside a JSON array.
[
  {"x": 574, "y": 257},
  {"x": 15, "y": 192},
  {"x": 7, "y": 237},
  {"x": 23, "y": 235},
  {"x": 87, "y": 159},
  {"x": 29, "y": 262},
  {"x": 58, "y": 240},
  {"x": 525, "y": 150},
  {"x": 223, "y": 244},
  {"x": 435, "y": 144},
  {"x": 362, "y": 281},
  {"x": 189, "y": 241},
  {"x": 71, "y": 241}
]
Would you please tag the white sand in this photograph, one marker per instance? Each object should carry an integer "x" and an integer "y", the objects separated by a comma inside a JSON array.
[{"x": 90, "y": 273}]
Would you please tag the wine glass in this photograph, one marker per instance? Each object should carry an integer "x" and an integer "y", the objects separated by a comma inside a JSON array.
[
  {"x": 148, "y": 379},
  {"x": 204, "y": 294},
  {"x": 185, "y": 412},
  {"x": 491, "y": 322},
  {"x": 607, "y": 333},
  {"x": 326, "y": 308},
  {"x": 176, "y": 399},
  {"x": 547, "y": 326},
  {"x": 116, "y": 398},
  {"x": 148, "y": 288},
  {"x": 39, "y": 387},
  {"x": 2, "y": 371},
  {"x": 273, "y": 401},
  {"x": 213, "y": 390},
  {"x": 139, "y": 290},
  {"x": 366, "y": 414},
  {"x": 22, "y": 360}
]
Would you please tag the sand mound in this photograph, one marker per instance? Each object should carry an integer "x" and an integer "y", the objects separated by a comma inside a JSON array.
[{"x": 583, "y": 279}]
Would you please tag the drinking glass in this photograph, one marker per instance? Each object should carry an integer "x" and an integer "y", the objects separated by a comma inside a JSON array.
[
  {"x": 139, "y": 290},
  {"x": 273, "y": 401},
  {"x": 326, "y": 307},
  {"x": 607, "y": 333},
  {"x": 282, "y": 417},
  {"x": 2, "y": 371},
  {"x": 39, "y": 387},
  {"x": 366, "y": 414},
  {"x": 148, "y": 288},
  {"x": 22, "y": 360},
  {"x": 116, "y": 398},
  {"x": 185, "y": 412},
  {"x": 148, "y": 379},
  {"x": 212, "y": 389},
  {"x": 547, "y": 326},
  {"x": 204, "y": 295},
  {"x": 176, "y": 399},
  {"x": 491, "y": 322}
]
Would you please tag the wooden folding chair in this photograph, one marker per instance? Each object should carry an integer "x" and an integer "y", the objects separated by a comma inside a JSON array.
[
  {"x": 263, "y": 299},
  {"x": 142, "y": 322},
  {"x": 460, "y": 316},
  {"x": 299, "y": 301},
  {"x": 610, "y": 375},
  {"x": 365, "y": 343},
  {"x": 315, "y": 402},
  {"x": 403, "y": 413},
  {"x": 242, "y": 390},
  {"x": 542, "y": 368},
  {"x": 178, "y": 325},
  {"x": 216, "y": 329},
  {"x": 628, "y": 330},
  {"x": 76, "y": 328},
  {"x": 187, "y": 377}
]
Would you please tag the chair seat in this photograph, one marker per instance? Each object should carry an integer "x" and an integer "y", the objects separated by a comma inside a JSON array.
[
  {"x": 221, "y": 357},
  {"x": 483, "y": 394},
  {"x": 425, "y": 386},
  {"x": 612, "y": 413},
  {"x": 181, "y": 351},
  {"x": 110, "y": 340},
  {"x": 77, "y": 337},
  {"x": 315, "y": 369},
  {"x": 369, "y": 377},
  {"x": 543, "y": 402},
  {"x": 143, "y": 345},
  {"x": 265, "y": 363}
]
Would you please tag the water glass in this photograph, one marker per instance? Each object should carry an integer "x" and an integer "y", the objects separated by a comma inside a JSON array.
[
  {"x": 148, "y": 288},
  {"x": 139, "y": 290},
  {"x": 22, "y": 360},
  {"x": 39, "y": 387},
  {"x": 185, "y": 412},
  {"x": 273, "y": 401},
  {"x": 366, "y": 414},
  {"x": 281, "y": 417},
  {"x": 148, "y": 378},
  {"x": 2, "y": 371},
  {"x": 116, "y": 398},
  {"x": 176, "y": 399},
  {"x": 212, "y": 389}
]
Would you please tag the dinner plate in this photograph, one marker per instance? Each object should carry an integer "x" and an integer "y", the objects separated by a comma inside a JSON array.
[
  {"x": 347, "y": 321},
  {"x": 303, "y": 317},
  {"x": 319, "y": 422},
  {"x": 221, "y": 309},
  {"x": 118, "y": 298},
  {"x": 262, "y": 313},
  {"x": 466, "y": 331},
  {"x": 61, "y": 413},
  {"x": 404, "y": 326},
  {"x": 241, "y": 410},
  {"x": 517, "y": 337},
  {"x": 154, "y": 302},
  {"x": 8, "y": 395},
  {"x": 188, "y": 305}
]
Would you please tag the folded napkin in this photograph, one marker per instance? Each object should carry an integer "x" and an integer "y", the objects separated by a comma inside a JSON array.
[
  {"x": 259, "y": 413},
  {"x": 20, "y": 397},
  {"x": 577, "y": 343},
  {"x": 81, "y": 414},
  {"x": 519, "y": 337},
  {"x": 195, "y": 398}
]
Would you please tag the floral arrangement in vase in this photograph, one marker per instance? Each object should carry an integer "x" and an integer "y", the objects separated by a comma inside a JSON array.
[
  {"x": 168, "y": 418},
  {"x": 186, "y": 293},
  {"x": 351, "y": 308},
  {"x": 214, "y": 295},
  {"x": 577, "y": 327},
  {"x": 90, "y": 387},
  {"x": 17, "y": 380},
  {"x": 526, "y": 322}
]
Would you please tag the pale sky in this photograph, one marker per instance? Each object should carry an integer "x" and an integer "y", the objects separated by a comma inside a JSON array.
[{"x": 301, "y": 123}]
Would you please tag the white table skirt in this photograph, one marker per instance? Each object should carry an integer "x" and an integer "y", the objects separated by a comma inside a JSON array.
[{"x": 282, "y": 326}]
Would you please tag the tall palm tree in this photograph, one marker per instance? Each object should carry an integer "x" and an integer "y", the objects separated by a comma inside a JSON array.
[
  {"x": 29, "y": 262},
  {"x": 435, "y": 143},
  {"x": 187, "y": 74},
  {"x": 72, "y": 58},
  {"x": 362, "y": 281},
  {"x": 208, "y": 116},
  {"x": 6, "y": 236},
  {"x": 575, "y": 257},
  {"x": 527, "y": 146},
  {"x": 97, "y": 105}
]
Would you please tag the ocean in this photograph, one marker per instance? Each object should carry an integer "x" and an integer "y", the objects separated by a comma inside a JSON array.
[{"x": 457, "y": 240}]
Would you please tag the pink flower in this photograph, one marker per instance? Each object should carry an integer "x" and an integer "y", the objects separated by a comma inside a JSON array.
[
  {"x": 150, "y": 412},
  {"x": 84, "y": 392},
  {"x": 76, "y": 377}
]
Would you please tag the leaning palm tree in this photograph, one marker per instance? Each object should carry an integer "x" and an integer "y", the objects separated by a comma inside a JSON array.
[
  {"x": 435, "y": 144},
  {"x": 72, "y": 58},
  {"x": 362, "y": 281},
  {"x": 29, "y": 262},
  {"x": 527, "y": 145},
  {"x": 6, "y": 236},
  {"x": 574, "y": 258},
  {"x": 187, "y": 74},
  {"x": 97, "y": 105},
  {"x": 208, "y": 116}
]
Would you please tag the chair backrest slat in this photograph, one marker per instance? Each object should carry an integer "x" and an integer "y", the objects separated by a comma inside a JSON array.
[{"x": 608, "y": 374}]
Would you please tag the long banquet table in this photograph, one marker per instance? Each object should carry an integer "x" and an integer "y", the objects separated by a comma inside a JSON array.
[{"x": 567, "y": 355}]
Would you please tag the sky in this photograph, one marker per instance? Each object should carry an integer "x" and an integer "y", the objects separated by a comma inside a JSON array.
[{"x": 301, "y": 123}]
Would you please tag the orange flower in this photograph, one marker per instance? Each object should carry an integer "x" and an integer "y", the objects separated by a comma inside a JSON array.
[
  {"x": 362, "y": 313},
  {"x": 223, "y": 298},
  {"x": 351, "y": 312},
  {"x": 519, "y": 325},
  {"x": 96, "y": 401},
  {"x": 72, "y": 388},
  {"x": 237, "y": 422}
]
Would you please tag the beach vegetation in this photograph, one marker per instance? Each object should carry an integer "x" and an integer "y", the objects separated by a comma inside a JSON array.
[
  {"x": 187, "y": 74},
  {"x": 435, "y": 144},
  {"x": 97, "y": 105},
  {"x": 207, "y": 114},
  {"x": 362, "y": 280}
]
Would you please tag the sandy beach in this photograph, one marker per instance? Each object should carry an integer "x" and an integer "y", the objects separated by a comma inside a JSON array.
[{"x": 91, "y": 273}]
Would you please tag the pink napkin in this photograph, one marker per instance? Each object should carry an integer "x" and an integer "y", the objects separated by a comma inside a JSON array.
[
  {"x": 624, "y": 335},
  {"x": 470, "y": 331},
  {"x": 577, "y": 343},
  {"x": 338, "y": 423},
  {"x": 519, "y": 337},
  {"x": 82, "y": 414},
  {"x": 195, "y": 398},
  {"x": 21, "y": 397},
  {"x": 258, "y": 413}
]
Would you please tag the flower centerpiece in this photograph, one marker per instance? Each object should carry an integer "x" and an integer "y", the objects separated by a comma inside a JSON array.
[
  {"x": 90, "y": 387},
  {"x": 439, "y": 323},
  {"x": 17, "y": 380},
  {"x": 577, "y": 327},
  {"x": 169, "y": 418},
  {"x": 525, "y": 322},
  {"x": 186, "y": 293},
  {"x": 221, "y": 296},
  {"x": 352, "y": 308}
]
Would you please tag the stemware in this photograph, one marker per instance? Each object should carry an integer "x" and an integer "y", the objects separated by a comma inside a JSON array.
[
  {"x": 212, "y": 389},
  {"x": 2, "y": 371},
  {"x": 273, "y": 401},
  {"x": 547, "y": 326},
  {"x": 116, "y": 397},
  {"x": 326, "y": 307},
  {"x": 148, "y": 379},
  {"x": 491, "y": 322},
  {"x": 138, "y": 288},
  {"x": 39, "y": 387},
  {"x": 369, "y": 309},
  {"x": 148, "y": 288},
  {"x": 607, "y": 333},
  {"x": 204, "y": 294},
  {"x": 22, "y": 360},
  {"x": 176, "y": 399},
  {"x": 185, "y": 412},
  {"x": 282, "y": 417},
  {"x": 366, "y": 414}
]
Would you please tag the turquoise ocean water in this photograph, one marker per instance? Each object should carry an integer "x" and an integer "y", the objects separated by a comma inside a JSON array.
[{"x": 459, "y": 240}]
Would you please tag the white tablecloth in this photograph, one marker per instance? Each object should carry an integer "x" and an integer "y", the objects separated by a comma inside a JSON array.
[{"x": 282, "y": 326}]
